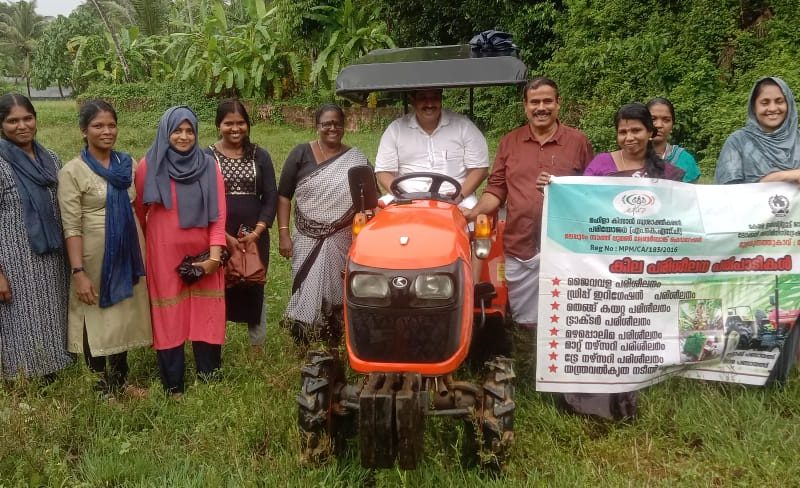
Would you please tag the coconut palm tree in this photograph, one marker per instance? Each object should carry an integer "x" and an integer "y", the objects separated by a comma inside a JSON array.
[
  {"x": 100, "y": 6},
  {"x": 20, "y": 29},
  {"x": 151, "y": 16}
]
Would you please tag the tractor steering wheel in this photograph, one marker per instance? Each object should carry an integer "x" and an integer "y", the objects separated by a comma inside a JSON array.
[{"x": 433, "y": 192}]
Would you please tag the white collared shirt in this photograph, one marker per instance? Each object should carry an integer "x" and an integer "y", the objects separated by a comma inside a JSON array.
[{"x": 455, "y": 146}]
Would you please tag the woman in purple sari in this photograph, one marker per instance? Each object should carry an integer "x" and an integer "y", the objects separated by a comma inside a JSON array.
[
  {"x": 637, "y": 158},
  {"x": 636, "y": 155}
]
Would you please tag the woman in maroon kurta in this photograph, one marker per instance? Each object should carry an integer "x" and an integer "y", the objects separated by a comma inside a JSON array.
[{"x": 180, "y": 202}]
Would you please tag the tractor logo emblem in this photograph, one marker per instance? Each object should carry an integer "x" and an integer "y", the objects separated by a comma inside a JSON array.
[
  {"x": 779, "y": 205},
  {"x": 399, "y": 282},
  {"x": 637, "y": 203}
]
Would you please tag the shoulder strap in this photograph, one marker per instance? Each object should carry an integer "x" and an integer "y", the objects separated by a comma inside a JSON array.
[{"x": 214, "y": 153}]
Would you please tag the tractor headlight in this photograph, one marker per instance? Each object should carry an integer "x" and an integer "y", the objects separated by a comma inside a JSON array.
[
  {"x": 433, "y": 287},
  {"x": 365, "y": 285}
]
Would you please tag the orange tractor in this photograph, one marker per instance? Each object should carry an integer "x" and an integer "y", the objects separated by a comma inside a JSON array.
[{"x": 412, "y": 309}]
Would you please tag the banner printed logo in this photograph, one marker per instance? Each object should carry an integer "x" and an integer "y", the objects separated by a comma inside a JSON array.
[
  {"x": 779, "y": 205},
  {"x": 637, "y": 203}
]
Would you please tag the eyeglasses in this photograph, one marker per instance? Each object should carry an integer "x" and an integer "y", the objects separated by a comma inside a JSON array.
[{"x": 331, "y": 125}]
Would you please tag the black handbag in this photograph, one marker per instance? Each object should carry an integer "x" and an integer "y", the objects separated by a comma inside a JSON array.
[{"x": 190, "y": 273}]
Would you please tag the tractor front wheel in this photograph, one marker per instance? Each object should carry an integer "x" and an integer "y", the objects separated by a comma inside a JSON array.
[
  {"x": 314, "y": 407},
  {"x": 497, "y": 415}
]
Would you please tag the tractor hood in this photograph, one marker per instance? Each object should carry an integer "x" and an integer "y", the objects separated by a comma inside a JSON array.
[{"x": 417, "y": 235}]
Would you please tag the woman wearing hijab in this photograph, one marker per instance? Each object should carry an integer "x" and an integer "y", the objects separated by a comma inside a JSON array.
[
  {"x": 180, "y": 202},
  {"x": 109, "y": 312},
  {"x": 767, "y": 148},
  {"x": 34, "y": 278}
]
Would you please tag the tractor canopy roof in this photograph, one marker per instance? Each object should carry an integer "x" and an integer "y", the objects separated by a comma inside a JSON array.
[{"x": 414, "y": 68}]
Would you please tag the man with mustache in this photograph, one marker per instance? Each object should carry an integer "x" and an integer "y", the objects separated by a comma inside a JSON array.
[
  {"x": 526, "y": 158},
  {"x": 435, "y": 141}
]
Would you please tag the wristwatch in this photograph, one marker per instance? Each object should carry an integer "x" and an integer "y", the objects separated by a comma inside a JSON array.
[{"x": 77, "y": 270}]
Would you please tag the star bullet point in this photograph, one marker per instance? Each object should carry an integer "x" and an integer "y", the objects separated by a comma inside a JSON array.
[
  {"x": 553, "y": 356},
  {"x": 553, "y": 368},
  {"x": 553, "y": 344},
  {"x": 555, "y": 293},
  {"x": 553, "y": 331},
  {"x": 554, "y": 319},
  {"x": 554, "y": 306},
  {"x": 556, "y": 281}
]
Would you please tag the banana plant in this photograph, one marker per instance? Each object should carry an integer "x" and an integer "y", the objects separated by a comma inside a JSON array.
[
  {"x": 143, "y": 56},
  {"x": 248, "y": 59},
  {"x": 349, "y": 32}
]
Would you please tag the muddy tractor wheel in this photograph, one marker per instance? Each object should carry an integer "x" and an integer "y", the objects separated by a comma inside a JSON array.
[
  {"x": 314, "y": 407},
  {"x": 497, "y": 415}
]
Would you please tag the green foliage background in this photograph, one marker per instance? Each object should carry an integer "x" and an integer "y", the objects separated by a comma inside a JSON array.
[{"x": 702, "y": 54}]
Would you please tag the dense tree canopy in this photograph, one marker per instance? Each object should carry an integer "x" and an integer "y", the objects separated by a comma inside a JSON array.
[
  {"x": 422, "y": 22},
  {"x": 702, "y": 54}
]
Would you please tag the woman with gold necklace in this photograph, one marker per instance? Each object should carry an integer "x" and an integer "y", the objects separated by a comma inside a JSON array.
[
  {"x": 315, "y": 176},
  {"x": 636, "y": 155}
]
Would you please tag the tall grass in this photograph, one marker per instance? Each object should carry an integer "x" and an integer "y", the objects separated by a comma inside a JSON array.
[{"x": 241, "y": 430}]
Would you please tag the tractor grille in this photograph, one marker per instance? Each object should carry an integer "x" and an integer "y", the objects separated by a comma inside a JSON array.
[{"x": 393, "y": 336}]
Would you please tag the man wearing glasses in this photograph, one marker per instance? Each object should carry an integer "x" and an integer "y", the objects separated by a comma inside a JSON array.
[{"x": 433, "y": 140}]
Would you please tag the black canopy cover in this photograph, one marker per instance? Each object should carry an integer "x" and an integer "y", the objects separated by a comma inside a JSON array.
[{"x": 414, "y": 68}]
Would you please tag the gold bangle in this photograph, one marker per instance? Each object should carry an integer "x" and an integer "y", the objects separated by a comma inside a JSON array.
[
  {"x": 218, "y": 261},
  {"x": 262, "y": 225},
  {"x": 283, "y": 227}
]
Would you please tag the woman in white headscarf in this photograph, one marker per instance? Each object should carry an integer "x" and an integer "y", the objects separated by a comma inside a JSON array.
[{"x": 767, "y": 148}]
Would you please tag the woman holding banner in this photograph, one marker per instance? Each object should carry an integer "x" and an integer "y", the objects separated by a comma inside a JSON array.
[
  {"x": 767, "y": 148},
  {"x": 636, "y": 157}
]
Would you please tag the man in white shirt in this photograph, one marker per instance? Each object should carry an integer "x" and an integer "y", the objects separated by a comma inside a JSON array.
[{"x": 435, "y": 141}]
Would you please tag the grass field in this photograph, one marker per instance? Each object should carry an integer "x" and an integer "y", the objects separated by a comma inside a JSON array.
[{"x": 241, "y": 430}]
